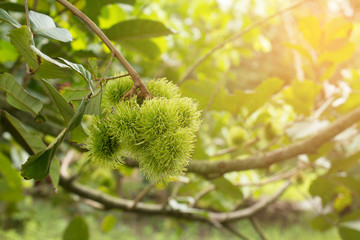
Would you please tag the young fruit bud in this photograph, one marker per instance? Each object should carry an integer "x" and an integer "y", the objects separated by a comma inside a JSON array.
[
  {"x": 103, "y": 146},
  {"x": 115, "y": 91},
  {"x": 163, "y": 88}
]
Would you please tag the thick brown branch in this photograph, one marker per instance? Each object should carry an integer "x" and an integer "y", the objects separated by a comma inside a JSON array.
[
  {"x": 192, "y": 68},
  {"x": 134, "y": 75},
  {"x": 309, "y": 145}
]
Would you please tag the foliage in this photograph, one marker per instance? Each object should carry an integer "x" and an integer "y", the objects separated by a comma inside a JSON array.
[{"x": 240, "y": 91}]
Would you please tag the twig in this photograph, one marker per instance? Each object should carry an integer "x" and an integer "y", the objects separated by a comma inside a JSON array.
[
  {"x": 138, "y": 84},
  {"x": 35, "y": 5},
  {"x": 116, "y": 77},
  {"x": 111, "y": 202},
  {"x": 233, "y": 231},
  {"x": 141, "y": 195},
  {"x": 201, "y": 194},
  {"x": 106, "y": 69},
  {"x": 214, "y": 95},
  {"x": 192, "y": 68},
  {"x": 258, "y": 228},
  {"x": 27, "y": 14},
  {"x": 65, "y": 163}
]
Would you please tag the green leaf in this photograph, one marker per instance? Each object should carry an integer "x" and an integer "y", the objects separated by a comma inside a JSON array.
[
  {"x": 300, "y": 49},
  {"x": 323, "y": 188},
  {"x": 44, "y": 26},
  {"x": 93, "y": 67},
  {"x": 76, "y": 230},
  {"x": 55, "y": 172},
  {"x": 85, "y": 74},
  {"x": 225, "y": 186},
  {"x": 10, "y": 181},
  {"x": 21, "y": 39},
  {"x": 145, "y": 47},
  {"x": 8, "y": 52},
  {"x": 93, "y": 7},
  {"x": 350, "y": 230},
  {"x": 324, "y": 222},
  {"x": 108, "y": 223},
  {"x": 49, "y": 67},
  {"x": 310, "y": 27},
  {"x": 94, "y": 106},
  {"x": 137, "y": 29},
  {"x": 301, "y": 95},
  {"x": 30, "y": 142},
  {"x": 9, "y": 6},
  {"x": 4, "y": 16},
  {"x": 37, "y": 166},
  {"x": 18, "y": 97},
  {"x": 345, "y": 164},
  {"x": 71, "y": 94},
  {"x": 78, "y": 134}
]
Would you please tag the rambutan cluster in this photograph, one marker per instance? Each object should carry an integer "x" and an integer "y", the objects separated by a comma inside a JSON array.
[{"x": 159, "y": 133}]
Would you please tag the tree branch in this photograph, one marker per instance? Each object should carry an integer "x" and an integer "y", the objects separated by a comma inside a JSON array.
[
  {"x": 200, "y": 60},
  {"x": 138, "y": 84},
  {"x": 258, "y": 228},
  {"x": 111, "y": 202},
  {"x": 306, "y": 146}
]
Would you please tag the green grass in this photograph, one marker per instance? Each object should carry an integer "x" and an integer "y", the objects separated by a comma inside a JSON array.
[{"x": 46, "y": 221}]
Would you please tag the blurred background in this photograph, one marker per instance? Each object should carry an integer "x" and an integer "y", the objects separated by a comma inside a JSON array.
[{"x": 261, "y": 86}]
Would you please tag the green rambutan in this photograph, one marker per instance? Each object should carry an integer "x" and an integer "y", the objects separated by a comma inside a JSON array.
[
  {"x": 104, "y": 148},
  {"x": 159, "y": 132}
]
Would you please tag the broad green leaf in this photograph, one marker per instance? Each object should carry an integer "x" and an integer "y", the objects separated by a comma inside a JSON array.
[
  {"x": 47, "y": 58},
  {"x": 345, "y": 163},
  {"x": 10, "y": 181},
  {"x": 4, "y": 16},
  {"x": 145, "y": 47},
  {"x": 225, "y": 186},
  {"x": 44, "y": 25},
  {"x": 352, "y": 102},
  {"x": 93, "y": 7},
  {"x": 310, "y": 28},
  {"x": 94, "y": 106},
  {"x": 30, "y": 142},
  {"x": 19, "y": 97},
  {"x": 71, "y": 94},
  {"x": 301, "y": 95},
  {"x": 349, "y": 226},
  {"x": 9, "y": 6},
  {"x": 323, "y": 222},
  {"x": 323, "y": 188},
  {"x": 78, "y": 134},
  {"x": 300, "y": 49},
  {"x": 8, "y": 52},
  {"x": 336, "y": 31},
  {"x": 21, "y": 38},
  {"x": 76, "y": 230},
  {"x": 350, "y": 230},
  {"x": 338, "y": 56},
  {"x": 54, "y": 172},
  {"x": 37, "y": 166},
  {"x": 93, "y": 67},
  {"x": 49, "y": 67},
  {"x": 137, "y": 29},
  {"x": 108, "y": 223},
  {"x": 85, "y": 74}
]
